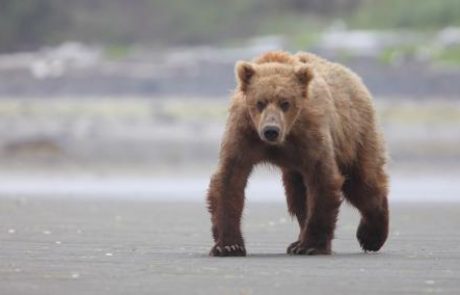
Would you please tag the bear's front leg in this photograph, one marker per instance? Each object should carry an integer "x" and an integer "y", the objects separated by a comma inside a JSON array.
[
  {"x": 226, "y": 202},
  {"x": 323, "y": 200}
]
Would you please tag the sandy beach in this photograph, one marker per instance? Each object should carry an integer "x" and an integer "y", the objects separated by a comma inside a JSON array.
[{"x": 100, "y": 246}]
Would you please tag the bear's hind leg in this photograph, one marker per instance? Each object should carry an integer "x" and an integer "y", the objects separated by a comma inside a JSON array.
[
  {"x": 369, "y": 196},
  {"x": 296, "y": 196},
  {"x": 324, "y": 183}
]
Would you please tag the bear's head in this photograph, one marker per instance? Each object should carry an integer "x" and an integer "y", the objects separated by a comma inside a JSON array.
[{"x": 274, "y": 94}]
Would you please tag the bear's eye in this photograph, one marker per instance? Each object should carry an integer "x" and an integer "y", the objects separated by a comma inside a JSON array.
[
  {"x": 285, "y": 106},
  {"x": 260, "y": 105}
]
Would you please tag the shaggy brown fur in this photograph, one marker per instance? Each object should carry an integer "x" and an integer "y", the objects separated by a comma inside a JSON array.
[{"x": 316, "y": 121}]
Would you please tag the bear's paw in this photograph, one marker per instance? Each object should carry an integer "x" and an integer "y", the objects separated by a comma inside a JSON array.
[{"x": 220, "y": 250}]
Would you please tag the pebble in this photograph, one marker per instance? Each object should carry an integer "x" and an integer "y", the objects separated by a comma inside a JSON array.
[{"x": 75, "y": 275}]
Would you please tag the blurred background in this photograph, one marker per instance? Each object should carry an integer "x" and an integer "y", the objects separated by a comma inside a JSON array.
[{"x": 115, "y": 98}]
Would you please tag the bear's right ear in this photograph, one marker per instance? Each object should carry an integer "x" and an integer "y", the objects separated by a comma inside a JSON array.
[
  {"x": 304, "y": 74},
  {"x": 244, "y": 72}
]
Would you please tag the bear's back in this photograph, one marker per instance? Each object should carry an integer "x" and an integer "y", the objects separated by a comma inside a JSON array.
[{"x": 281, "y": 57}]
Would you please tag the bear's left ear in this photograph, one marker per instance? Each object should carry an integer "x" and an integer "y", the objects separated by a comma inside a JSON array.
[
  {"x": 304, "y": 74},
  {"x": 244, "y": 72}
]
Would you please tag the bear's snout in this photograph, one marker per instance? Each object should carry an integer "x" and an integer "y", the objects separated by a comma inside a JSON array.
[
  {"x": 271, "y": 125},
  {"x": 271, "y": 133}
]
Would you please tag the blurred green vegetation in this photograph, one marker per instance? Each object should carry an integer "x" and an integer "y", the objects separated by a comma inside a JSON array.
[
  {"x": 26, "y": 23},
  {"x": 392, "y": 54},
  {"x": 406, "y": 14},
  {"x": 450, "y": 55},
  {"x": 29, "y": 24},
  {"x": 117, "y": 52}
]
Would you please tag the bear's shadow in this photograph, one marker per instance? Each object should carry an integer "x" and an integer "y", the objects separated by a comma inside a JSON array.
[{"x": 340, "y": 255}]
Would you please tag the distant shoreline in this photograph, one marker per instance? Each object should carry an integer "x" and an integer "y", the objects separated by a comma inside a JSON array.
[{"x": 261, "y": 188}]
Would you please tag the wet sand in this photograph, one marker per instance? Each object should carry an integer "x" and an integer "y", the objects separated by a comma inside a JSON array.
[{"x": 100, "y": 246}]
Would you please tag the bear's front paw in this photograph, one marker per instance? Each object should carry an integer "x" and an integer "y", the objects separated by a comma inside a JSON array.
[
  {"x": 303, "y": 248},
  {"x": 221, "y": 250}
]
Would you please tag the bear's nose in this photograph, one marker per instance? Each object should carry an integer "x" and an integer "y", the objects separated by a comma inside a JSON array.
[{"x": 271, "y": 133}]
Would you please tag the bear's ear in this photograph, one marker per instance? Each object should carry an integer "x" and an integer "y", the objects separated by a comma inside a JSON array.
[
  {"x": 304, "y": 74},
  {"x": 244, "y": 72}
]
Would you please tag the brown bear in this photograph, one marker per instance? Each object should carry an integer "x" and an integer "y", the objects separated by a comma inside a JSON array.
[{"x": 315, "y": 120}]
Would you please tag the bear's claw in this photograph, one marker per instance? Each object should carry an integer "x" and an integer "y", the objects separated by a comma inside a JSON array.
[
  {"x": 228, "y": 250},
  {"x": 292, "y": 246},
  {"x": 298, "y": 248}
]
